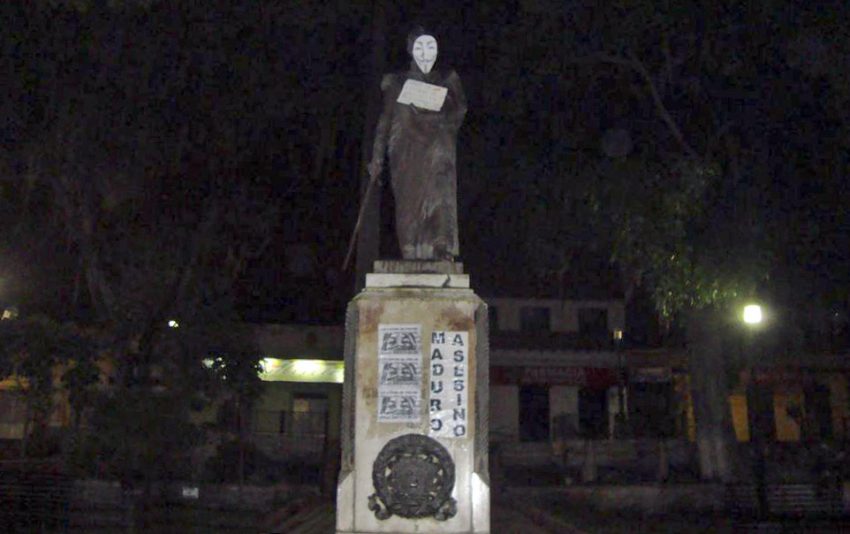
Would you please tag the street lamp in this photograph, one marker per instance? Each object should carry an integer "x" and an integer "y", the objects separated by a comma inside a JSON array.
[
  {"x": 753, "y": 317},
  {"x": 620, "y": 419},
  {"x": 752, "y": 314}
]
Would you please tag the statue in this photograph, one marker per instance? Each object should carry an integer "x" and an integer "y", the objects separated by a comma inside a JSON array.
[{"x": 422, "y": 112}]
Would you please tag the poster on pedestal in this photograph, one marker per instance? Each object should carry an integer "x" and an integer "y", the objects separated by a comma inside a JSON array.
[
  {"x": 399, "y": 373},
  {"x": 449, "y": 366}
]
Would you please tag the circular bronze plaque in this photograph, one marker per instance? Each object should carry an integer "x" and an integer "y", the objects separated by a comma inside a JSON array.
[{"x": 413, "y": 477}]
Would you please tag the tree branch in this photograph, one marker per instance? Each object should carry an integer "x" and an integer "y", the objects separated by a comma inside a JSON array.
[{"x": 635, "y": 64}]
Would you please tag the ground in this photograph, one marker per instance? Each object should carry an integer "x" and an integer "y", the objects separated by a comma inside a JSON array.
[{"x": 513, "y": 514}]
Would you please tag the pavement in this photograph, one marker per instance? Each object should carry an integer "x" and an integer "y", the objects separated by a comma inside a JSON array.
[
  {"x": 513, "y": 513},
  {"x": 511, "y": 520},
  {"x": 506, "y": 518},
  {"x": 317, "y": 519}
]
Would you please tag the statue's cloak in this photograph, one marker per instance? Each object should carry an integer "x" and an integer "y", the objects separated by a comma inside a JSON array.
[{"x": 422, "y": 148}]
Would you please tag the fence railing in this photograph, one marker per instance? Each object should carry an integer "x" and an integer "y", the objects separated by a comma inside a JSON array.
[
  {"x": 787, "y": 500},
  {"x": 290, "y": 435},
  {"x": 33, "y": 496}
]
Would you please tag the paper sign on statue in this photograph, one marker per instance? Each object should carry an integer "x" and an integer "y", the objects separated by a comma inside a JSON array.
[
  {"x": 399, "y": 373},
  {"x": 423, "y": 95},
  {"x": 448, "y": 407}
]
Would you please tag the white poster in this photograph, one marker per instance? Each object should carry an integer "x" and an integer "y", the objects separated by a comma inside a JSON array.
[
  {"x": 399, "y": 373},
  {"x": 424, "y": 95},
  {"x": 449, "y": 366}
]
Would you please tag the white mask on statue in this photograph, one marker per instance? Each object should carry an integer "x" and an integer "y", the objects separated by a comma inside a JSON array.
[{"x": 424, "y": 52}]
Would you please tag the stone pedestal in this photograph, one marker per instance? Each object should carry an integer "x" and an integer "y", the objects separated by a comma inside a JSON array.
[{"x": 415, "y": 404}]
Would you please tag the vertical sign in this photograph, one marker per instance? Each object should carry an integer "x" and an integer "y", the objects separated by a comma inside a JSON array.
[
  {"x": 399, "y": 373},
  {"x": 449, "y": 361}
]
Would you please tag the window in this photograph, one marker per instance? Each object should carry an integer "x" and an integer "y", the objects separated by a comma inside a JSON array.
[
  {"x": 309, "y": 414},
  {"x": 304, "y": 428},
  {"x": 534, "y": 413},
  {"x": 593, "y": 413},
  {"x": 534, "y": 319},
  {"x": 760, "y": 410},
  {"x": 12, "y": 410},
  {"x": 593, "y": 324},
  {"x": 651, "y": 409},
  {"x": 819, "y": 411}
]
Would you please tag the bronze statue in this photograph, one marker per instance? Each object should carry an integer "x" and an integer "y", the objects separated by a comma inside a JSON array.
[{"x": 422, "y": 113}]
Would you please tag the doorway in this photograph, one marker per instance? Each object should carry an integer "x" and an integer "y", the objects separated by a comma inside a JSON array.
[
  {"x": 534, "y": 413},
  {"x": 593, "y": 413},
  {"x": 304, "y": 428}
]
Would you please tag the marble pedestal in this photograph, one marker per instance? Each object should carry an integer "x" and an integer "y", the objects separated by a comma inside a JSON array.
[{"x": 415, "y": 404}]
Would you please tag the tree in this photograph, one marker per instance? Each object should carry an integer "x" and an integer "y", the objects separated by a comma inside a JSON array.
[
  {"x": 661, "y": 138},
  {"x": 142, "y": 199},
  {"x": 236, "y": 365},
  {"x": 159, "y": 151},
  {"x": 46, "y": 358}
]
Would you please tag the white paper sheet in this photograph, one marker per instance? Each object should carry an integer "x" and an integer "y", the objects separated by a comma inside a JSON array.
[
  {"x": 399, "y": 373},
  {"x": 423, "y": 95}
]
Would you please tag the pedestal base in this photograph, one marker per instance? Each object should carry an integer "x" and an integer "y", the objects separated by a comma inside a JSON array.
[{"x": 415, "y": 406}]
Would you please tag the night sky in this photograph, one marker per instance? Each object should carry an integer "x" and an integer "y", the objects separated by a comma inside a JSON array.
[{"x": 137, "y": 114}]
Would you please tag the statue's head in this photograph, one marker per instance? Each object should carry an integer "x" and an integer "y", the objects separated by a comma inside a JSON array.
[{"x": 423, "y": 47}]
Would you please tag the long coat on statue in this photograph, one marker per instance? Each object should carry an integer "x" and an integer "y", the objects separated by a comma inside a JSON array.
[{"x": 422, "y": 148}]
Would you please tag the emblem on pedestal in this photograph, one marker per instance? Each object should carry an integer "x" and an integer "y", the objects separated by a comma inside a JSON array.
[{"x": 413, "y": 477}]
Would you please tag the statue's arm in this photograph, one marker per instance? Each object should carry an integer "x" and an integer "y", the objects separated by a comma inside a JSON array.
[
  {"x": 454, "y": 108},
  {"x": 382, "y": 130},
  {"x": 458, "y": 110}
]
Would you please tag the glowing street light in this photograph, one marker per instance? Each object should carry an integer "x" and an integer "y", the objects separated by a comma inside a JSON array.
[
  {"x": 173, "y": 324},
  {"x": 753, "y": 317},
  {"x": 752, "y": 314}
]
